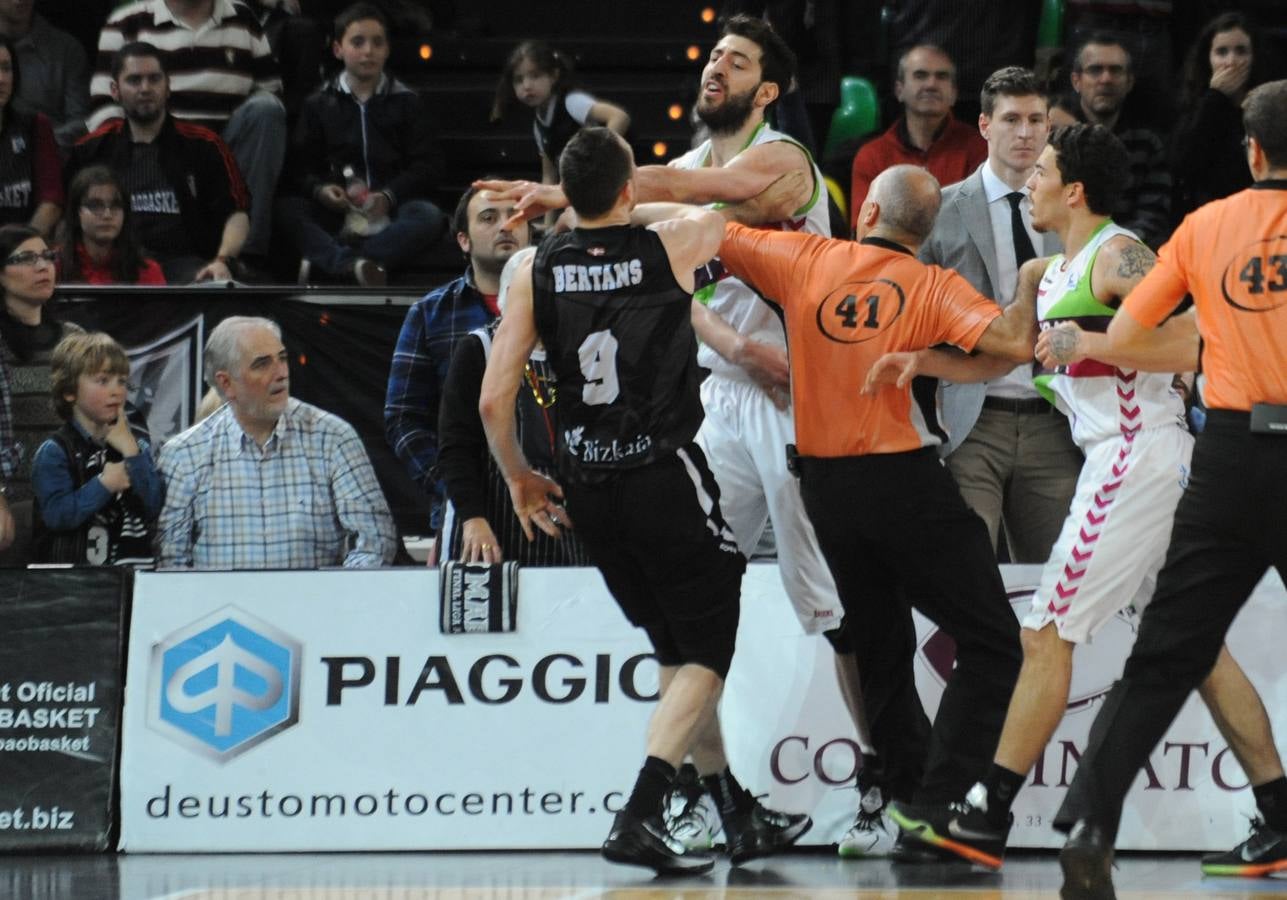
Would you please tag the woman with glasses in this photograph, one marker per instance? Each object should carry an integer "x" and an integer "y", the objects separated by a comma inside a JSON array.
[
  {"x": 28, "y": 335},
  {"x": 31, "y": 184},
  {"x": 96, "y": 243}
]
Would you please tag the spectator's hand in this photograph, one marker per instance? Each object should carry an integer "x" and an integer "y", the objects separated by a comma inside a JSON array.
[
  {"x": 7, "y": 529},
  {"x": 534, "y": 504},
  {"x": 115, "y": 477},
  {"x": 332, "y": 196},
  {"x": 767, "y": 364},
  {"x": 1060, "y": 346},
  {"x": 530, "y": 198},
  {"x": 377, "y": 206},
  {"x": 216, "y": 270},
  {"x": 1230, "y": 79},
  {"x": 892, "y": 368},
  {"x": 121, "y": 438},
  {"x": 478, "y": 542}
]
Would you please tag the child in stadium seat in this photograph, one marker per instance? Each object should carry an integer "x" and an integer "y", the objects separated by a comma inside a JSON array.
[
  {"x": 97, "y": 491},
  {"x": 96, "y": 243},
  {"x": 361, "y": 164},
  {"x": 542, "y": 78}
]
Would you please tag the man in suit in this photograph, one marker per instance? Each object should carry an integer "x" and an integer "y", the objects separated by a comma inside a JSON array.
[{"x": 1009, "y": 450}]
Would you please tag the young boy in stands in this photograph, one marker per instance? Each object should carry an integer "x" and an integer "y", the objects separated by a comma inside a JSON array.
[
  {"x": 360, "y": 165},
  {"x": 97, "y": 491}
]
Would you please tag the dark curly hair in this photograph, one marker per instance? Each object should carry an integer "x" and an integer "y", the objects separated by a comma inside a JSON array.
[{"x": 1094, "y": 156}]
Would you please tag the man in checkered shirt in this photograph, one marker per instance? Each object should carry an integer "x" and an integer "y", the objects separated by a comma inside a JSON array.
[{"x": 267, "y": 482}]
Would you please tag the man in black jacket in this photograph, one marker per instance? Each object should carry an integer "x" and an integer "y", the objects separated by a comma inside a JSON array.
[
  {"x": 187, "y": 195},
  {"x": 362, "y": 159}
]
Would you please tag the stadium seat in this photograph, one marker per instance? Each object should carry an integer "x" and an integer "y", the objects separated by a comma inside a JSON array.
[{"x": 858, "y": 113}]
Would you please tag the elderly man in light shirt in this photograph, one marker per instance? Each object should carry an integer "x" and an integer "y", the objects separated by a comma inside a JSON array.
[{"x": 267, "y": 481}]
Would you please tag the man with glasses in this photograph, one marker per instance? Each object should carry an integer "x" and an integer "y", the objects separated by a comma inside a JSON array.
[
  {"x": 1102, "y": 78},
  {"x": 185, "y": 190}
]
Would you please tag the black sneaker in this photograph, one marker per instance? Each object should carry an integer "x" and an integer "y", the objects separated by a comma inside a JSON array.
[
  {"x": 961, "y": 828},
  {"x": 1087, "y": 861},
  {"x": 1264, "y": 853},
  {"x": 644, "y": 842},
  {"x": 762, "y": 832},
  {"x": 910, "y": 852}
]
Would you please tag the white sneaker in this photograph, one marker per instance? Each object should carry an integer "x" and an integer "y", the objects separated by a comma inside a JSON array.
[
  {"x": 872, "y": 834},
  {"x": 693, "y": 821}
]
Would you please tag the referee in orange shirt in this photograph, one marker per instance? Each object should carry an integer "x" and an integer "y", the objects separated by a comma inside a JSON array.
[
  {"x": 1231, "y": 524},
  {"x": 889, "y": 518}
]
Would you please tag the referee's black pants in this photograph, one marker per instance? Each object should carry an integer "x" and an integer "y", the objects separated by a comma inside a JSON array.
[
  {"x": 1230, "y": 527},
  {"x": 896, "y": 534}
]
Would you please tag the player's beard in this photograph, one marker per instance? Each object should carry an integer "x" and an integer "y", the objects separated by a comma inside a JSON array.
[{"x": 730, "y": 115}]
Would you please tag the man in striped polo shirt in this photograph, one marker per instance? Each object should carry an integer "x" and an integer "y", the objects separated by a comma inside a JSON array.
[{"x": 222, "y": 76}]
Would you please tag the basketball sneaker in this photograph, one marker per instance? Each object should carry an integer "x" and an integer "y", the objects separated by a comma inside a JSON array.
[
  {"x": 689, "y": 812},
  {"x": 761, "y": 831},
  {"x": 872, "y": 834},
  {"x": 1263, "y": 853},
  {"x": 644, "y": 842},
  {"x": 961, "y": 827}
]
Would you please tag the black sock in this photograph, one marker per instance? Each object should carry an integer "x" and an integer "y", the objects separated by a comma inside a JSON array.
[
  {"x": 1002, "y": 786},
  {"x": 1271, "y": 799},
  {"x": 650, "y": 787},
  {"x": 730, "y": 797},
  {"x": 871, "y": 775}
]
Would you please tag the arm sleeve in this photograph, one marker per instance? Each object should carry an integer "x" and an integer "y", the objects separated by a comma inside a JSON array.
[
  {"x": 411, "y": 402},
  {"x": 771, "y": 261},
  {"x": 1194, "y": 143},
  {"x": 228, "y": 193},
  {"x": 62, "y": 505},
  {"x": 46, "y": 169},
  {"x": 360, "y": 506},
  {"x": 150, "y": 272},
  {"x": 145, "y": 483},
  {"x": 963, "y": 313},
  {"x": 175, "y": 526},
  {"x": 462, "y": 448},
  {"x": 578, "y": 105}
]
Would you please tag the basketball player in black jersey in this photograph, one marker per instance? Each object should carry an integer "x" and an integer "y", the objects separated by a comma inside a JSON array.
[{"x": 611, "y": 301}]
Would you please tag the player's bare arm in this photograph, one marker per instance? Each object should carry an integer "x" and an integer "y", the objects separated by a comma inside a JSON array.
[
  {"x": 748, "y": 174},
  {"x": 533, "y": 494},
  {"x": 1011, "y": 335}
]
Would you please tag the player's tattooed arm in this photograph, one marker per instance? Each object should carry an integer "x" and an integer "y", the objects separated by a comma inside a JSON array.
[{"x": 1135, "y": 261}]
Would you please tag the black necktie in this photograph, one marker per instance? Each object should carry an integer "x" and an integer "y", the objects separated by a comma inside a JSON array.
[{"x": 1023, "y": 250}]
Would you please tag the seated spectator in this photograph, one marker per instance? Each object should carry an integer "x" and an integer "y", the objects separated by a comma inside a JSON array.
[
  {"x": 363, "y": 161},
  {"x": 28, "y": 334},
  {"x": 1207, "y": 155},
  {"x": 432, "y": 329},
  {"x": 215, "y": 50},
  {"x": 1102, "y": 77},
  {"x": 543, "y": 79},
  {"x": 31, "y": 188},
  {"x": 186, "y": 194},
  {"x": 267, "y": 481},
  {"x": 96, "y": 237},
  {"x": 57, "y": 82},
  {"x": 97, "y": 491},
  {"x": 480, "y": 525},
  {"x": 926, "y": 134},
  {"x": 1063, "y": 110}
]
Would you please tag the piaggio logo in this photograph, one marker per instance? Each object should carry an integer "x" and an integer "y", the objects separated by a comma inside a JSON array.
[{"x": 224, "y": 684}]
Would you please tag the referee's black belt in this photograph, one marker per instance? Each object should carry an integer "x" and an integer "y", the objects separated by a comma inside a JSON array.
[{"x": 1032, "y": 406}]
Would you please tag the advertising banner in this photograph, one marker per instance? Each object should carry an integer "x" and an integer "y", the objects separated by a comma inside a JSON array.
[
  {"x": 61, "y": 663},
  {"x": 328, "y": 711}
]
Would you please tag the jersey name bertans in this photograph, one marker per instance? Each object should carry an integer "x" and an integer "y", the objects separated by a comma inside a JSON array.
[{"x": 608, "y": 277}]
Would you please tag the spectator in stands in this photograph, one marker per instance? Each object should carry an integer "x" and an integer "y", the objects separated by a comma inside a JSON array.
[
  {"x": 267, "y": 481},
  {"x": 31, "y": 188},
  {"x": 1207, "y": 155},
  {"x": 1063, "y": 110},
  {"x": 480, "y": 525},
  {"x": 185, "y": 190},
  {"x": 1009, "y": 450},
  {"x": 1144, "y": 28},
  {"x": 1102, "y": 78},
  {"x": 96, "y": 242},
  {"x": 433, "y": 327},
  {"x": 362, "y": 163},
  {"x": 543, "y": 79},
  {"x": 28, "y": 334},
  {"x": 97, "y": 491},
  {"x": 57, "y": 82},
  {"x": 926, "y": 134},
  {"x": 216, "y": 52}
]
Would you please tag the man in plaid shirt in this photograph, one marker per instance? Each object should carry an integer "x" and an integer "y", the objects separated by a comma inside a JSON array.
[{"x": 267, "y": 482}]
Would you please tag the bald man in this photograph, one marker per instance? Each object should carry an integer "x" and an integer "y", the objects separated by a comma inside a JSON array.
[{"x": 889, "y": 518}]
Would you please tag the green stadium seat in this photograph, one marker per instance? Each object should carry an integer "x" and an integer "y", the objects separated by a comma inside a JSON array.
[{"x": 858, "y": 113}]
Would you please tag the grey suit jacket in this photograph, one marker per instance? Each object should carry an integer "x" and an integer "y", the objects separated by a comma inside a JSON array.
[{"x": 962, "y": 240}]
